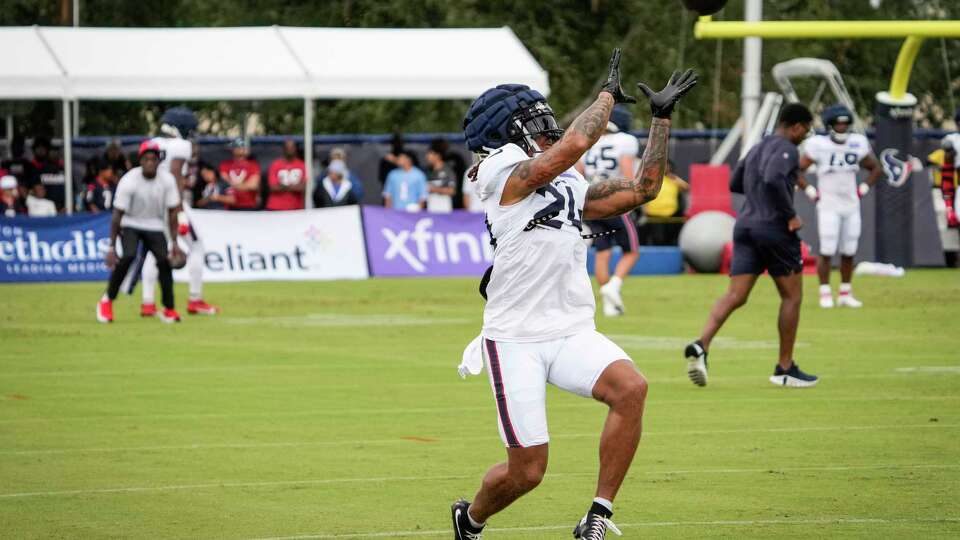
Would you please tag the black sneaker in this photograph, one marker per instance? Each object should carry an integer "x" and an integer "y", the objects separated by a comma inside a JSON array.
[
  {"x": 462, "y": 530},
  {"x": 696, "y": 363},
  {"x": 594, "y": 527},
  {"x": 792, "y": 377}
]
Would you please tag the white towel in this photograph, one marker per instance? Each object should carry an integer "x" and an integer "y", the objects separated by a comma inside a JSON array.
[{"x": 472, "y": 362}]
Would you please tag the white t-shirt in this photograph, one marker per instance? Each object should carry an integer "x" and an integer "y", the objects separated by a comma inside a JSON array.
[
  {"x": 837, "y": 168},
  {"x": 37, "y": 207},
  {"x": 172, "y": 148},
  {"x": 145, "y": 202},
  {"x": 539, "y": 289},
  {"x": 603, "y": 159}
]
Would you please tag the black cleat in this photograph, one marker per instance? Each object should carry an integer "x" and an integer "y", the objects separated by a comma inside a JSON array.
[
  {"x": 594, "y": 527},
  {"x": 696, "y": 363},
  {"x": 462, "y": 530}
]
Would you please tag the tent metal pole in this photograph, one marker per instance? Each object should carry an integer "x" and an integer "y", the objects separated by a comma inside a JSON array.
[
  {"x": 67, "y": 158},
  {"x": 308, "y": 149}
]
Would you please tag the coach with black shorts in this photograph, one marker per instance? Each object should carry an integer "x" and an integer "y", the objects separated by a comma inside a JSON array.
[
  {"x": 765, "y": 240},
  {"x": 145, "y": 204}
]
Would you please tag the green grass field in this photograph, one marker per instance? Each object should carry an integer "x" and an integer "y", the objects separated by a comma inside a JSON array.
[{"x": 329, "y": 410}]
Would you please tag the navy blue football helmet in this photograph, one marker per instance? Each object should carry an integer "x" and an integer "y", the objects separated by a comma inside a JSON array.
[
  {"x": 509, "y": 113},
  {"x": 621, "y": 117},
  {"x": 833, "y": 115},
  {"x": 178, "y": 122}
]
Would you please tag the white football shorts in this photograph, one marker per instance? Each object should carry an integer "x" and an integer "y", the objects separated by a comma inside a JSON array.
[
  {"x": 519, "y": 373},
  {"x": 838, "y": 230}
]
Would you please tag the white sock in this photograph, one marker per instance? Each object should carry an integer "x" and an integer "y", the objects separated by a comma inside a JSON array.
[
  {"x": 845, "y": 288},
  {"x": 825, "y": 290},
  {"x": 604, "y": 503},
  {"x": 473, "y": 523},
  {"x": 105, "y": 298},
  {"x": 616, "y": 282}
]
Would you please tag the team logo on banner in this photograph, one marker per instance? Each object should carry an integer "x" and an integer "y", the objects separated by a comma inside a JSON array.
[{"x": 897, "y": 170}]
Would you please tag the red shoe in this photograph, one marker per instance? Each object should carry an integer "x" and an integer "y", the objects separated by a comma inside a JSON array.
[
  {"x": 148, "y": 310},
  {"x": 169, "y": 316},
  {"x": 105, "y": 311},
  {"x": 199, "y": 307}
]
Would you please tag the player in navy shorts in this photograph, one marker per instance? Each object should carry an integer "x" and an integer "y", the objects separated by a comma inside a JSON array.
[{"x": 765, "y": 240}]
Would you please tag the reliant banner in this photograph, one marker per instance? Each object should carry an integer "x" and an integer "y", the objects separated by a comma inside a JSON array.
[
  {"x": 421, "y": 244},
  {"x": 55, "y": 248},
  {"x": 291, "y": 245}
]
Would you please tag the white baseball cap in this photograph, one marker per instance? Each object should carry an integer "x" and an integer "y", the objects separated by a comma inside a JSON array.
[{"x": 8, "y": 182}]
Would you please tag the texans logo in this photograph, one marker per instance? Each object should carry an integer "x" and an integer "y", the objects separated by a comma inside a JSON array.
[{"x": 897, "y": 170}]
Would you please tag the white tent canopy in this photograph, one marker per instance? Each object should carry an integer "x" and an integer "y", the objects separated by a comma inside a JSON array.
[
  {"x": 276, "y": 62},
  {"x": 260, "y": 63}
]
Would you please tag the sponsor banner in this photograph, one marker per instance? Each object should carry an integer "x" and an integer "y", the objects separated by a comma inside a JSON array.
[
  {"x": 289, "y": 245},
  {"x": 63, "y": 248},
  {"x": 423, "y": 244}
]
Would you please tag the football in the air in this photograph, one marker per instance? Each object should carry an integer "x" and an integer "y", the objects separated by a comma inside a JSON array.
[
  {"x": 705, "y": 7},
  {"x": 177, "y": 259}
]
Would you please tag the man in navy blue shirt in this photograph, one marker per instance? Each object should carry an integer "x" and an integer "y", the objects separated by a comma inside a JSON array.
[{"x": 765, "y": 239}]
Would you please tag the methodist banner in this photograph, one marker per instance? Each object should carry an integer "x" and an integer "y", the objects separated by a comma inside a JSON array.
[
  {"x": 66, "y": 248},
  {"x": 421, "y": 244},
  {"x": 289, "y": 245}
]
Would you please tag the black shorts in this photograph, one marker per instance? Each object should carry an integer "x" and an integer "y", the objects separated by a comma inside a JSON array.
[
  {"x": 625, "y": 235},
  {"x": 773, "y": 249}
]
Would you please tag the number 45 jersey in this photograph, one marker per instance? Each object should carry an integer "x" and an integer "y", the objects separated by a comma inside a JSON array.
[
  {"x": 539, "y": 289},
  {"x": 837, "y": 168}
]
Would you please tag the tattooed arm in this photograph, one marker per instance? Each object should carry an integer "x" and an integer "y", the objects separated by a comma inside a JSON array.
[
  {"x": 530, "y": 175},
  {"x": 607, "y": 198}
]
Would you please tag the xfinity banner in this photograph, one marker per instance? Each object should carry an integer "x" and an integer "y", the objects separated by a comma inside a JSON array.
[
  {"x": 55, "y": 248},
  {"x": 421, "y": 244},
  {"x": 291, "y": 245}
]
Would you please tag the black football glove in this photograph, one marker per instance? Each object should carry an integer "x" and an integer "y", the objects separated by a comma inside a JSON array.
[
  {"x": 612, "y": 83},
  {"x": 662, "y": 102}
]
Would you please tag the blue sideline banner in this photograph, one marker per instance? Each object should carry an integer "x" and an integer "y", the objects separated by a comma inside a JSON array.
[{"x": 64, "y": 248}]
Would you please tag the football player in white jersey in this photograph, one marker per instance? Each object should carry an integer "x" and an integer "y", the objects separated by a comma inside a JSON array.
[
  {"x": 177, "y": 126},
  {"x": 948, "y": 174},
  {"x": 612, "y": 157},
  {"x": 538, "y": 323},
  {"x": 839, "y": 156}
]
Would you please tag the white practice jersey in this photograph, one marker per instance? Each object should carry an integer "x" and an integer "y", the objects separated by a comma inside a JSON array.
[
  {"x": 603, "y": 159},
  {"x": 172, "y": 148},
  {"x": 837, "y": 168},
  {"x": 539, "y": 289}
]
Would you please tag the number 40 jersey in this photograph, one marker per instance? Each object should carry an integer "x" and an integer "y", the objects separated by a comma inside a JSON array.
[
  {"x": 837, "y": 168},
  {"x": 539, "y": 289}
]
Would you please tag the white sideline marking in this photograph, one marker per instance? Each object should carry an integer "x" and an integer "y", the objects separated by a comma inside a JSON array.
[
  {"x": 678, "y": 343},
  {"x": 929, "y": 369},
  {"x": 336, "y": 320},
  {"x": 189, "y": 487},
  {"x": 399, "y": 440},
  {"x": 719, "y": 523}
]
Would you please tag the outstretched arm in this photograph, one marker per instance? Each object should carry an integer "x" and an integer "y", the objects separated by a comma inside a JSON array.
[
  {"x": 620, "y": 195},
  {"x": 617, "y": 196},
  {"x": 534, "y": 173}
]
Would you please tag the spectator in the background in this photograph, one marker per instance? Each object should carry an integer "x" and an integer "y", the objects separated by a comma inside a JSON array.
[
  {"x": 441, "y": 183},
  {"x": 212, "y": 192},
  {"x": 38, "y": 205},
  {"x": 10, "y": 202},
  {"x": 50, "y": 170},
  {"x": 20, "y": 167},
  {"x": 471, "y": 201},
  {"x": 287, "y": 179},
  {"x": 116, "y": 158},
  {"x": 243, "y": 175},
  {"x": 667, "y": 203},
  {"x": 391, "y": 161},
  {"x": 99, "y": 194},
  {"x": 341, "y": 154},
  {"x": 335, "y": 188},
  {"x": 406, "y": 187}
]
